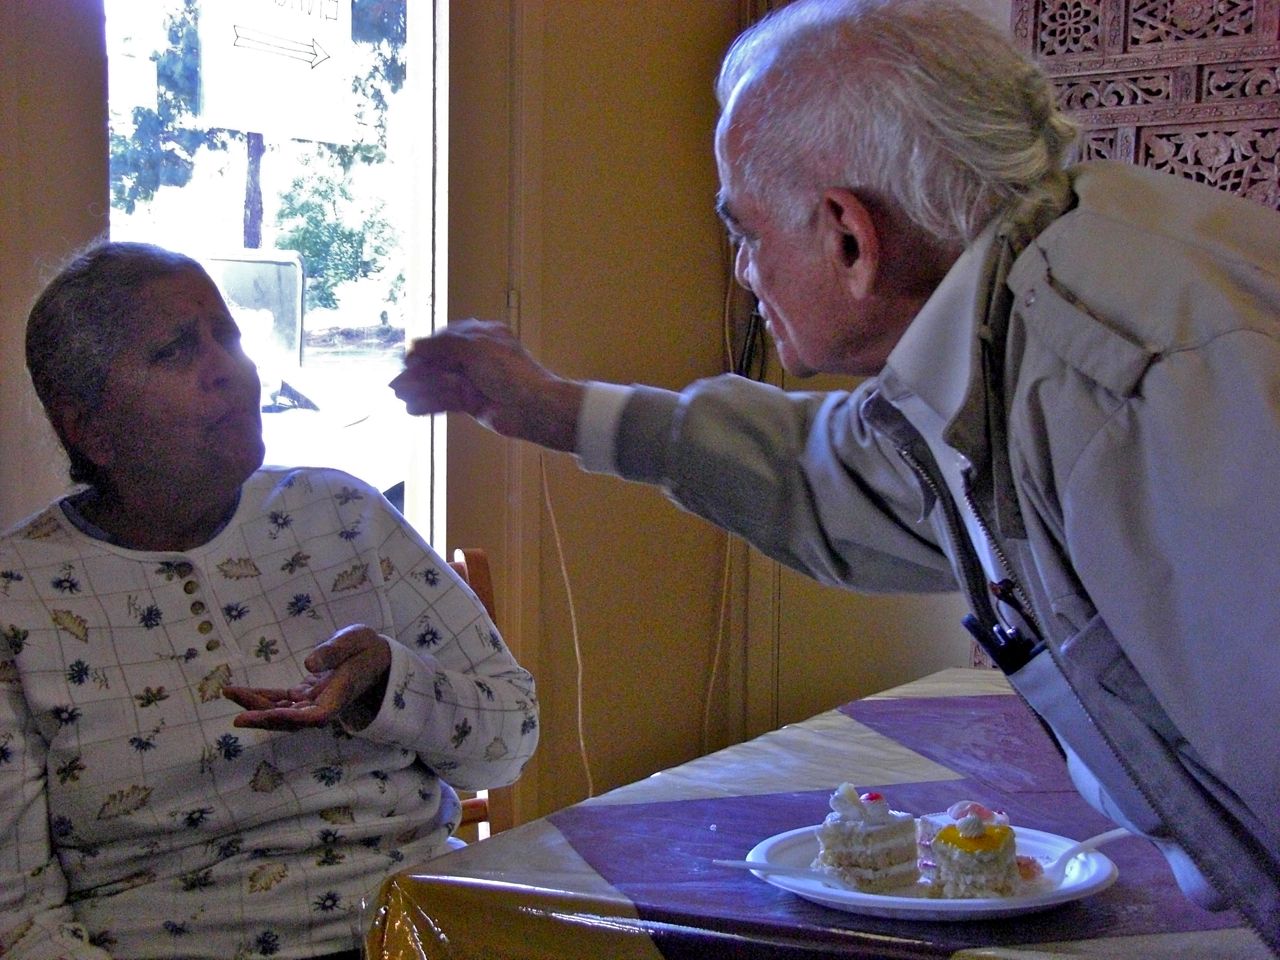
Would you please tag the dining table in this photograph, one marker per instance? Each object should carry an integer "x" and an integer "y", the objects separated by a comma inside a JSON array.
[{"x": 632, "y": 872}]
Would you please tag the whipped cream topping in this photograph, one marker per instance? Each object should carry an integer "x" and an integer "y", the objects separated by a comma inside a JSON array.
[
  {"x": 845, "y": 801},
  {"x": 870, "y": 808},
  {"x": 971, "y": 826},
  {"x": 964, "y": 808}
]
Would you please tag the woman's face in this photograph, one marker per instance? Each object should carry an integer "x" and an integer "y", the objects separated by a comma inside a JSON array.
[{"x": 181, "y": 403}]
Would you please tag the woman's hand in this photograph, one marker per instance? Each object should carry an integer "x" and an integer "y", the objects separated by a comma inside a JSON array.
[{"x": 347, "y": 682}]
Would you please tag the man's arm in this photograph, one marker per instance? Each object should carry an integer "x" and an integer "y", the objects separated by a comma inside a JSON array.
[{"x": 797, "y": 475}]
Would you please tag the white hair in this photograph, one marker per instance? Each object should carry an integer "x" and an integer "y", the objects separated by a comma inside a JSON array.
[{"x": 923, "y": 102}]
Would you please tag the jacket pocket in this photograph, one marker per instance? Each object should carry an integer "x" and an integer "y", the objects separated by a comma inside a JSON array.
[
  {"x": 1094, "y": 767},
  {"x": 1093, "y": 684}
]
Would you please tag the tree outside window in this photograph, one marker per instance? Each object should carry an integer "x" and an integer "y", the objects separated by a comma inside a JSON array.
[{"x": 304, "y": 234}]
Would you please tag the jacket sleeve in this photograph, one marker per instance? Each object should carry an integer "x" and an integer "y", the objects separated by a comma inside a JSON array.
[
  {"x": 797, "y": 475},
  {"x": 36, "y": 923},
  {"x": 455, "y": 693}
]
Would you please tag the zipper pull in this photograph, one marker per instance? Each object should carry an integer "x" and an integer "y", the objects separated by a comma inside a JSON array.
[
  {"x": 1008, "y": 648},
  {"x": 1007, "y": 593}
]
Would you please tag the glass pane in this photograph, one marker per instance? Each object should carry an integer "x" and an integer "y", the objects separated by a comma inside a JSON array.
[{"x": 273, "y": 142}]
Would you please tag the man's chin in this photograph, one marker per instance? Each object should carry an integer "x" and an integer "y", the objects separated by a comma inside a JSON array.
[
  {"x": 795, "y": 367},
  {"x": 792, "y": 364}
]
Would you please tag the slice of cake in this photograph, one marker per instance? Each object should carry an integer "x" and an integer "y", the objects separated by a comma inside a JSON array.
[
  {"x": 864, "y": 844},
  {"x": 928, "y": 825},
  {"x": 974, "y": 859}
]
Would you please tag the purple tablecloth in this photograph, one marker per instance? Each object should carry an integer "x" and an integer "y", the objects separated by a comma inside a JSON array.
[
  {"x": 659, "y": 854},
  {"x": 629, "y": 875}
]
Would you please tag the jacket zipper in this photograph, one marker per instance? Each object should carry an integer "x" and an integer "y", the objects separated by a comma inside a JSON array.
[
  {"x": 975, "y": 578},
  {"x": 1008, "y": 648},
  {"x": 1008, "y": 590},
  {"x": 989, "y": 633}
]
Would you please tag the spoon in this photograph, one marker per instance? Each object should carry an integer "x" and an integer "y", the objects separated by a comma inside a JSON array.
[
  {"x": 1057, "y": 869},
  {"x": 776, "y": 868}
]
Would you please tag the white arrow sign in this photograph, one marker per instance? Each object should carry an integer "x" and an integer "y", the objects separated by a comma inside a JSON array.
[
  {"x": 282, "y": 68},
  {"x": 311, "y": 53}
]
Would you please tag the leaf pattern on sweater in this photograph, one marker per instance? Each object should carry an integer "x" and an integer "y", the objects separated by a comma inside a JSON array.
[
  {"x": 266, "y": 778},
  {"x": 210, "y": 686},
  {"x": 124, "y": 802},
  {"x": 72, "y": 623},
  {"x": 266, "y": 876},
  {"x": 351, "y": 579},
  {"x": 241, "y": 569}
]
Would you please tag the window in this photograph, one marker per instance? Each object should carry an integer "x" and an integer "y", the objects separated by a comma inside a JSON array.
[{"x": 289, "y": 145}]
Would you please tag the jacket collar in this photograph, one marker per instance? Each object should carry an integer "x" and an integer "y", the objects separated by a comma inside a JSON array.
[
  {"x": 937, "y": 354},
  {"x": 939, "y": 359}
]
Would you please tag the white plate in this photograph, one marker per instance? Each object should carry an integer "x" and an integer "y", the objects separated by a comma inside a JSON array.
[{"x": 1087, "y": 874}]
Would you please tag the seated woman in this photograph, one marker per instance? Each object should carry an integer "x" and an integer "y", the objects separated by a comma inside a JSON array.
[{"x": 230, "y": 696}]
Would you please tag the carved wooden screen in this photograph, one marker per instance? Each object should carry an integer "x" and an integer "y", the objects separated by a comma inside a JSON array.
[{"x": 1187, "y": 86}]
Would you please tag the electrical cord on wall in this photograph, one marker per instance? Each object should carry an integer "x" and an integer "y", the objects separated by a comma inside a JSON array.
[
  {"x": 718, "y": 651},
  {"x": 573, "y": 622},
  {"x": 748, "y": 362}
]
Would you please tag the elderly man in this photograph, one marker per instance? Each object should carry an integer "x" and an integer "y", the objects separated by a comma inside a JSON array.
[{"x": 1073, "y": 413}]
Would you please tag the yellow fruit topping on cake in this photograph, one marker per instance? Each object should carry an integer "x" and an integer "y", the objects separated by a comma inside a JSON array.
[
  {"x": 974, "y": 859},
  {"x": 992, "y": 838}
]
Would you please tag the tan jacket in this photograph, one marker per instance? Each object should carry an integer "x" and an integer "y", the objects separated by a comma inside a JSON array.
[{"x": 1125, "y": 457}]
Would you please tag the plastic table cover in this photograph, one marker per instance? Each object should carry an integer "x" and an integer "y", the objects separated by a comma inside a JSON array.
[{"x": 629, "y": 875}]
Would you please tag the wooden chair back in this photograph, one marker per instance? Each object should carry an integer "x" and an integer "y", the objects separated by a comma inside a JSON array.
[{"x": 493, "y": 808}]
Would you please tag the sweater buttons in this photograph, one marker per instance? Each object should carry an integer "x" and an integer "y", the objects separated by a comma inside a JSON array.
[
  {"x": 190, "y": 587},
  {"x": 204, "y": 627},
  {"x": 198, "y": 608}
]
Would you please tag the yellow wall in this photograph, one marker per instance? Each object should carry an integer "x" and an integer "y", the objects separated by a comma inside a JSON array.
[
  {"x": 53, "y": 198},
  {"x": 595, "y": 205}
]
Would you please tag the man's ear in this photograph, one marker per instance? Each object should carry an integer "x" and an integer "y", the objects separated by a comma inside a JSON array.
[{"x": 851, "y": 239}]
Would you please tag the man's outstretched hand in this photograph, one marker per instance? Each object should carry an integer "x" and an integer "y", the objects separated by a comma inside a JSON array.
[{"x": 480, "y": 368}]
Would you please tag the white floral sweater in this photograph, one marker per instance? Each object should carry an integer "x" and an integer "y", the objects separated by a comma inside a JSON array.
[{"x": 138, "y": 822}]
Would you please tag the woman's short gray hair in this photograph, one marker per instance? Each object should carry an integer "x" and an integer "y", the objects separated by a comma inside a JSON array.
[
  {"x": 75, "y": 328},
  {"x": 924, "y": 102}
]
